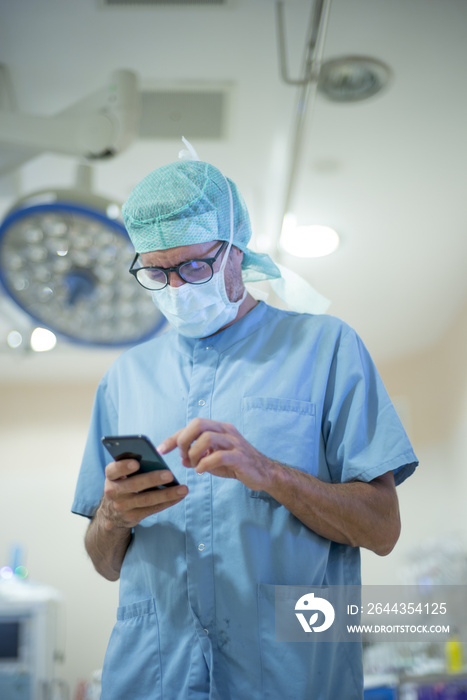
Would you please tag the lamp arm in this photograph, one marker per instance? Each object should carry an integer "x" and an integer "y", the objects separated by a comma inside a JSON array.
[
  {"x": 87, "y": 135},
  {"x": 81, "y": 130}
]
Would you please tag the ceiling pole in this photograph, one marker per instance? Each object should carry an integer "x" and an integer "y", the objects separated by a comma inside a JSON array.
[{"x": 307, "y": 87}]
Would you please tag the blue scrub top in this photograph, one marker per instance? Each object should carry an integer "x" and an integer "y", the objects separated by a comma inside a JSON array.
[{"x": 197, "y": 586}]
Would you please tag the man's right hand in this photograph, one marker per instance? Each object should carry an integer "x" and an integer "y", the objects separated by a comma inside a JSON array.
[{"x": 126, "y": 501}]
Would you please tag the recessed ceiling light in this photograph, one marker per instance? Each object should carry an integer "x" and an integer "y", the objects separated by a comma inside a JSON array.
[{"x": 313, "y": 241}]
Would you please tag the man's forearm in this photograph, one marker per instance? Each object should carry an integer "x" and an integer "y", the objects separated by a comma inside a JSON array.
[
  {"x": 125, "y": 503},
  {"x": 357, "y": 513},
  {"x": 106, "y": 545}
]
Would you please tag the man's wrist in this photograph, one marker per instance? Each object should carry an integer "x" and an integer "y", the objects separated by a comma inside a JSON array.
[
  {"x": 106, "y": 521},
  {"x": 276, "y": 473}
]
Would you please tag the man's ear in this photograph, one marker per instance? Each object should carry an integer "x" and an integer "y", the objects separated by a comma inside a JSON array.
[{"x": 238, "y": 251}]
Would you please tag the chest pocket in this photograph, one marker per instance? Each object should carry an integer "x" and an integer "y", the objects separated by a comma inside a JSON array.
[{"x": 283, "y": 430}]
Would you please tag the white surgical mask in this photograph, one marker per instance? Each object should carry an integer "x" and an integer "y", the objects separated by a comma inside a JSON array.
[{"x": 198, "y": 310}]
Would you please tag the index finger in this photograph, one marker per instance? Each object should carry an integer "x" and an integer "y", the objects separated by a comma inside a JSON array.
[
  {"x": 169, "y": 443},
  {"x": 185, "y": 437}
]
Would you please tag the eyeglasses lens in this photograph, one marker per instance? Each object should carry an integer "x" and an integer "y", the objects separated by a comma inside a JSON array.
[
  {"x": 195, "y": 272},
  {"x": 151, "y": 278}
]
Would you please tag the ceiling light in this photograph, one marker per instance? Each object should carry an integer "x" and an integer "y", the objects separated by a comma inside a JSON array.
[
  {"x": 43, "y": 340},
  {"x": 313, "y": 241},
  {"x": 6, "y": 573},
  {"x": 113, "y": 211},
  {"x": 352, "y": 78},
  {"x": 65, "y": 263},
  {"x": 14, "y": 339}
]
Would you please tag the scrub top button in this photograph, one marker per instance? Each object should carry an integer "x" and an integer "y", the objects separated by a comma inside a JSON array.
[
  {"x": 207, "y": 631},
  {"x": 208, "y": 347},
  {"x": 201, "y": 547},
  {"x": 201, "y": 402}
]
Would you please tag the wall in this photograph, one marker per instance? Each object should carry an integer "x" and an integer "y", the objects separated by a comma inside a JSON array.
[
  {"x": 433, "y": 386},
  {"x": 43, "y": 429}
]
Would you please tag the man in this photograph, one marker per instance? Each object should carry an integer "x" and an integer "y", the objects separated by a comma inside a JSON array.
[{"x": 284, "y": 441}]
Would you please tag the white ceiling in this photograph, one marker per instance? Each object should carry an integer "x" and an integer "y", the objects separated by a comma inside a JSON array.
[{"x": 388, "y": 173}]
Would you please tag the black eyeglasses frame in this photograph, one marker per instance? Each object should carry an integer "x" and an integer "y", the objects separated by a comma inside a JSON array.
[{"x": 167, "y": 270}]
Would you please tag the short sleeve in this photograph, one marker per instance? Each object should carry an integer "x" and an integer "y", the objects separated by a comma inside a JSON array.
[
  {"x": 90, "y": 485},
  {"x": 363, "y": 435}
]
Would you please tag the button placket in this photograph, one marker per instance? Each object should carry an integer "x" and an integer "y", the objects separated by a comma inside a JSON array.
[{"x": 199, "y": 505}]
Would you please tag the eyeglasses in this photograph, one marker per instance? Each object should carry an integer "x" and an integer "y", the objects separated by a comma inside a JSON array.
[{"x": 197, "y": 271}]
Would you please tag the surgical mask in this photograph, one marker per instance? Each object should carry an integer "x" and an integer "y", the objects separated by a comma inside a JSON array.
[{"x": 198, "y": 310}]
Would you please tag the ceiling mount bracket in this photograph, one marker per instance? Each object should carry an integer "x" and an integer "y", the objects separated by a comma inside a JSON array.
[{"x": 313, "y": 44}]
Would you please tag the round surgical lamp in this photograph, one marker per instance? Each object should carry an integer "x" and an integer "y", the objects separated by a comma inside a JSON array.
[
  {"x": 353, "y": 78},
  {"x": 64, "y": 259}
]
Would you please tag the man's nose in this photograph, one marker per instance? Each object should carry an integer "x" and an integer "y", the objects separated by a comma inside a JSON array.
[{"x": 174, "y": 279}]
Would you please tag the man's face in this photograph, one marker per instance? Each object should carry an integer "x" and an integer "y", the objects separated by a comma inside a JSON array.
[{"x": 180, "y": 254}]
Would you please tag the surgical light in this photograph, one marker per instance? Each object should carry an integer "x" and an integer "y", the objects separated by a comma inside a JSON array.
[{"x": 64, "y": 259}]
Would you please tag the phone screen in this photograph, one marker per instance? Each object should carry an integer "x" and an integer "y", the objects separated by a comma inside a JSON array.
[{"x": 137, "y": 447}]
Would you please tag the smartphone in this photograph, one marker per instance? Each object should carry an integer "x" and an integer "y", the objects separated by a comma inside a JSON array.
[{"x": 137, "y": 447}]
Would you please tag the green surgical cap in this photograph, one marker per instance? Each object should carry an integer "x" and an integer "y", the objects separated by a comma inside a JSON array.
[{"x": 188, "y": 202}]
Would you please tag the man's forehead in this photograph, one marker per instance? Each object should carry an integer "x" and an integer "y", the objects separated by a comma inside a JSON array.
[{"x": 173, "y": 256}]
